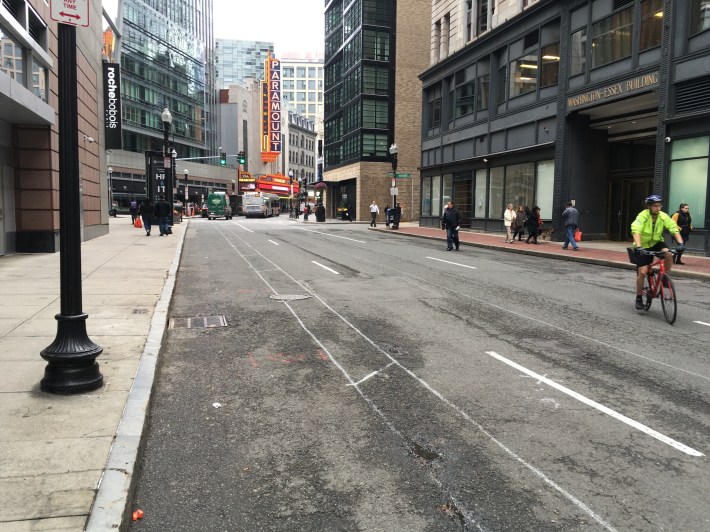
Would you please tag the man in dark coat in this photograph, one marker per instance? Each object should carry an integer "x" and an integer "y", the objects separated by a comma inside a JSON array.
[
  {"x": 570, "y": 217},
  {"x": 451, "y": 221},
  {"x": 162, "y": 213}
]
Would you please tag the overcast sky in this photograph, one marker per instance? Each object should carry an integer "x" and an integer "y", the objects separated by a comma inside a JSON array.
[{"x": 292, "y": 25}]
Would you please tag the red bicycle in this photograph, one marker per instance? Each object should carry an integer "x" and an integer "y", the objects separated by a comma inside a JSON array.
[{"x": 658, "y": 283}]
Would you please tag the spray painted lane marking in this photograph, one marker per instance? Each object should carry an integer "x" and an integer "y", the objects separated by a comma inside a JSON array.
[
  {"x": 332, "y": 236},
  {"x": 274, "y": 243},
  {"x": 454, "y": 263},
  {"x": 367, "y": 377},
  {"x": 242, "y": 226},
  {"x": 325, "y": 267},
  {"x": 702, "y": 323},
  {"x": 467, "y": 514},
  {"x": 608, "y": 411}
]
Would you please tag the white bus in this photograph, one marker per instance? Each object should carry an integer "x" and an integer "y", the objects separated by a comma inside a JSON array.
[{"x": 260, "y": 204}]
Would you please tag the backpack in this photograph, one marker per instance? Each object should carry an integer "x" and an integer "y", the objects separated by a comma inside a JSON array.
[{"x": 134, "y": 204}]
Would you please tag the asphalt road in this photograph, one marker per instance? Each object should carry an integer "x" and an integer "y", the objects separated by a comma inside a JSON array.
[{"x": 417, "y": 389}]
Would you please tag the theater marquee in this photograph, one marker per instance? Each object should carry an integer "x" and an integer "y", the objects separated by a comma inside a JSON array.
[{"x": 271, "y": 110}]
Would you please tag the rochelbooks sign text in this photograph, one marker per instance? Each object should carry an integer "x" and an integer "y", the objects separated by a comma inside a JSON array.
[{"x": 613, "y": 91}]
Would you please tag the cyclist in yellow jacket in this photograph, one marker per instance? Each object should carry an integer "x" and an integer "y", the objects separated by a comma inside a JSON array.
[{"x": 647, "y": 230}]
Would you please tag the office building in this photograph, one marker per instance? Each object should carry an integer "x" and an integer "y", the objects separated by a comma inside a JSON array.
[
  {"x": 238, "y": 61},
  {"x": 29, "y": 124},
  {"x": 302, "y": 87},
  {"x": 167, "y": 59},
  {"x": 374, "y": 53},
  {"x": 597, "y": 102}
]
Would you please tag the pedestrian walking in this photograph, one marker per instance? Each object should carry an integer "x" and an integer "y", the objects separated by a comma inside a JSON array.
[
  {"x": 387, "y": 214},
  {"x": 162, "y": 213},
  {"x": 570, "y": 217},
  {"x": 684, "y": 222},
  {"x": 519, "y": 227},
  {"x": 397, "y": 216},
  {"x": 450, "y": 221},
  {"x": 533, "y": 225},
  {"x": 374, "y": 211},
  {"x": 509, "y": 219},
  {"x": 146, "y": 211},
  {"x": 133, "y": 207}
]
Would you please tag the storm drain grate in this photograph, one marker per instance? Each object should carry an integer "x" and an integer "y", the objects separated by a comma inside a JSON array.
[
  {"x": 289, "y": 297},
  {"x": 198, "y": 322}
]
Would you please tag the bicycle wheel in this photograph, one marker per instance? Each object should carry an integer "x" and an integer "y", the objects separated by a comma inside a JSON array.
[
  {"x": 647, "y": 292},
  {"x": 668, "y": 299}
]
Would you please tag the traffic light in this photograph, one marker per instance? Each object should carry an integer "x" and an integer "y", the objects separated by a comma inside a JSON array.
[
  {"x": 223, "y": 159},
  {"x": 242, "y": 158}
]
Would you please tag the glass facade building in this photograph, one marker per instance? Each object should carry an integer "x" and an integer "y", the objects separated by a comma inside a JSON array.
[
  {"x": 238, "y": 60},
  {"x": 359, "y": 80},
  {"x": 166, "y": 61}
]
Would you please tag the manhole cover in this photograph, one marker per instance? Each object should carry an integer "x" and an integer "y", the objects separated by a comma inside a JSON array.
[
  {"x": 198, "y": 322},
  {"x": 289, "y": 297}
]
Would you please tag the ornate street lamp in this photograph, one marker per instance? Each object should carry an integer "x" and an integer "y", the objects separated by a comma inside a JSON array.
[{"x": 111, "y": 210}]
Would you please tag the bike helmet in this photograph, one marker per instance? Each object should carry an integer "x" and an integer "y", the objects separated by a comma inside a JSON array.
[{"x": 654, "y": 198}]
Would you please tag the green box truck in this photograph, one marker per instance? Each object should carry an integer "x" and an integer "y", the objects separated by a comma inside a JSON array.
[{"x": 218, "y": 206}]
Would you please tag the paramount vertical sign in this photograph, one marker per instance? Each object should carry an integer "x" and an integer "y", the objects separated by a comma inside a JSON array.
[
  {"x": 271, "y": 111},
  {"x": 112, "y": 106}
]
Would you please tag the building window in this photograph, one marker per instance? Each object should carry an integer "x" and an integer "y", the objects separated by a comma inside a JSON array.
[
  {"x": 287, "y": 72},
  {"x": 578, "y": 47},
  {"x": 550, "y": 65},
  {"x": 651, "y": 24},
  {"x": 699, "y": 15},
  {"x": 481, "y": 16},
  {"x": 464, "y": 97},
  {"x": 688, "y": 177},
  {"x": 376, "y": 45},
  {"x": 501, "y": 84},
  {"x": 544, "y": 188},
  {"x": 612, "y": 38},
  {"x": 519, "y": 181},
  {"x": 482, "y": 92},
  {"x": 375, "y": 114},
  {"x": 374, "y": 145},
  {"x": 523, "y": 75},
  {"x": 480, "y": 194},
  {"x": 469, "y": 20},
  {"x": 351, "y": 19},
  {"x": 375, "y": 80},
  {"x": 376, "y": 13},
  {"x": 426, "y": 196},
  {"x": 436, "y": 196},
  {"x": 434, "y": 108},
  {"x": 495, "y": 192}
]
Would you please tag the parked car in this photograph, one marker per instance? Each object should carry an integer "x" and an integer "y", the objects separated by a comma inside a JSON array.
[{"x": 204, "y": 210}]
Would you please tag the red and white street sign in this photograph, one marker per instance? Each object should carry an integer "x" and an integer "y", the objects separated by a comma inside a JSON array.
[{"x": 73, "y": 12}]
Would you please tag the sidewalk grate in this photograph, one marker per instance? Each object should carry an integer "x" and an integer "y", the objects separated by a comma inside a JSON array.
[
  {"x": 198, "y": 322},
  {"x": 287, "y": 297}
]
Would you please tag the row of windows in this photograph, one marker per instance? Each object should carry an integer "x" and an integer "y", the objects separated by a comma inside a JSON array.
[
  {"x": 300, "y": 158},
  {"x": 371, "y": 145},
  {"x": 295, "y": 139},
  {"x": 303, "y": 96},
  {"x": 300, "y": 72},
  {"x": 302, "y": 84},
  {"x": 528, "y": 184}
]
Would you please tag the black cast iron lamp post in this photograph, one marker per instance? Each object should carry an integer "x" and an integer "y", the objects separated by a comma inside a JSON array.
[
  {"x": 71, "y": 358},
  {"x": 393, "y": 154},
  {"x": 111, "y": 210}
]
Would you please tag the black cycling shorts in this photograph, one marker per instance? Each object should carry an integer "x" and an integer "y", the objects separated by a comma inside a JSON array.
[{"x": 645, "y": 260}]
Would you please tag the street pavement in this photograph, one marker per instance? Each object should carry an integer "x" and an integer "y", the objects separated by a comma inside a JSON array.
[{"x": 68, "y": 462}]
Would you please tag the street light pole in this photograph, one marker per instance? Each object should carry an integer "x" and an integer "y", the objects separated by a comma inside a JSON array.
[
  {"x": 187, "y": 196},
  {"x": 111, "y": 210},
  {"x": 290, "y": 195},
  {"x": 167, "y": 189},
  {"x": 393, "y": 153}
]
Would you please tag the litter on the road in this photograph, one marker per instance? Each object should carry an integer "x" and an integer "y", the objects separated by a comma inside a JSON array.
[{"x": 217, "y": 405}]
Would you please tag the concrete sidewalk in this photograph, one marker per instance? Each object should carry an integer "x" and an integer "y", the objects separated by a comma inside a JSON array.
[
  {"x": 67, "y": 462},
  {"x": 53, "y": 448}
]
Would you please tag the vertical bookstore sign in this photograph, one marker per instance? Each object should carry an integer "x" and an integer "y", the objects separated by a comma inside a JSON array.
[{"x": 112, "y": 106}]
